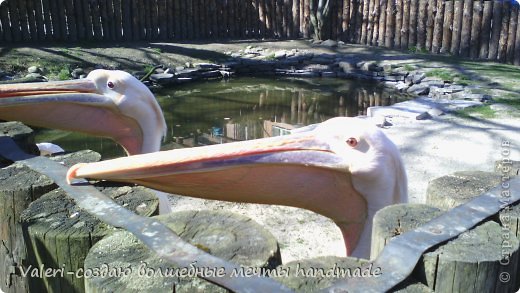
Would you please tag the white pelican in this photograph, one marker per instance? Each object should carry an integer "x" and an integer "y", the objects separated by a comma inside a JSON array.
[
  {"x": 344, "y": 168},
  {"x": 106, "y": 103}
]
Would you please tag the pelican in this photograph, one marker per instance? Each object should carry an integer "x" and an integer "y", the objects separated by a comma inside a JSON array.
[
  {"x": 107, "y": 103},
  {"x": 344, "y": 168}
]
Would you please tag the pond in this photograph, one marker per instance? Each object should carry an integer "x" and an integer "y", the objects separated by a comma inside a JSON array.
[{"x": 243, "y": 108}]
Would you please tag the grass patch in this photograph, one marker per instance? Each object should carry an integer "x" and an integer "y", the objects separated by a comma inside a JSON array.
[
  {"x": 510, "y": 102},
  {"x": 443, "y": 74},
  {"x": 476, "y": 112}
]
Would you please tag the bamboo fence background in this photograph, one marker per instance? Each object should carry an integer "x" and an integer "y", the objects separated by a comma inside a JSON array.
[{"x": 468, "y": 28}]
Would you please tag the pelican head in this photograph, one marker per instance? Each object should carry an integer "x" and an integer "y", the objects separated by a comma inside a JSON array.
[
  {"x": 106, "y": 103},
  {"x": 345, "y": 169}
]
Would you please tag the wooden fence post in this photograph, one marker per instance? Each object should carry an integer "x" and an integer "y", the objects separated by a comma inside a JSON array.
[{"x": 447, "y": 27}]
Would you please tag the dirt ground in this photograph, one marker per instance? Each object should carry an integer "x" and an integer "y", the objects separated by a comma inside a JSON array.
[{"x": 430, "y": 148}]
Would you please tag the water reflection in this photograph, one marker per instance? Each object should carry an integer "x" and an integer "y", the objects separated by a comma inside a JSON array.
[{"x": 245, "y": 108}]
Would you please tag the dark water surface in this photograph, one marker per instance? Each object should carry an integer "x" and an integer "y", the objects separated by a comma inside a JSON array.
[{"x": 243, "y": 108}]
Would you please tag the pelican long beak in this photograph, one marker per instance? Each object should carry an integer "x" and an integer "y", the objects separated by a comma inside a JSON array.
[
  {"x": 295, "y": 170},
  {"x": 72, "y": 106}
]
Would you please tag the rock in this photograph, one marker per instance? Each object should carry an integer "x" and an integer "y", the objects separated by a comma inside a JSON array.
[
  {"x": 463, "y": 95},
  {"x": 328, "y": 74},
  {"x": 347, "y": 66},
  {"x": 398, "y": 78},
  {"x": 207, "y": 66},
  {"x": 236, "y": 55},
  {"x": 35, "y": 77},
  {"x": 162, "y": 78},
  {"x": 34, "y": 69},
  {"x": 329, "y": 43},
  {"x": 369, "y": 66},
  {"x": 419, "y": 89},
  {"x": 188, "y": 72},
  {"x": 280, "y": 54},
  {"x": 76, "y": 73},
  {"x": 418, "y": 77},
  {"x": 423, "y": 116},
  {"x": 452, "y": 190}
]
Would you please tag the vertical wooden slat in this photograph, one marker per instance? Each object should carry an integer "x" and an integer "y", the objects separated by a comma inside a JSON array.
[
  {"x": 31, "y": 19},
  {"x": 430, "y": 23},
  {"x": 421, "y": 24},
  {"x": 96, "y": 20},
  {"x": 24, "y": 24},
  {"x": 446, "y": 29},
  {"x": 476, "y": 26},
  {"x": 72, "y": 22},
  {"x": 290, "y": 18},
  {"x": 137, "y": 27},
  {"x": 40, "y": 21},
  {"x": 262, "y": 19},
  {"x": 405, "y": 29},
  {"x": 230, "y": 18},
  {"x": 382, "y": 23},
  {"x": 502, "y": 46},
  {"x": 353, "y": 24},
  {"x": 511, "y": 39},
  {"x": 359, "y": 21},
  {"x": 399, "y": 5},
  {"x": 437, "y": 28},
  {"x": 118, "y": 19},
  {"x": 267, "y": 17},
  {"x": 6, "y": 27},
  {"x": 183, "y": 18},
  {"x": 126, "y": 15},
  {"x": 105, "y": 20},
  {"x": 390, "y": 24},
  {"x": 80, "y": 19},
  {"x": 496, "y": 24},
  {"x": 465, "y": 36},
  {"x": 345, "y": 19},
  {"x": 204, "y": 18},
  {"x": 177, "y": 32},
  {"x": 375, "y": 22},
  {"x": 279, "y": 19},
  {"x": 145, "y": 16},
  {"x": 333, "y": 20},
  {"x": 370, "y": 28},
  {"x": 87, "y": 19},
  {"x": 243, "y": 27},
  {"x": 14, "y": 20},
  {"x": 517, "y": 41},
  {"x": 364, "y": 26},
  {"x": 62, "y": 20},
  {"x": 155, "y": 19},
  {"x": 485, "y": 29},
  {"x": 458, "y": 7},
  {"x": 296, "y": 18},
  {"x": 339, "y": 16},
  {"x": 197, "y": 25},
  {"x": 412, "y": 31}
]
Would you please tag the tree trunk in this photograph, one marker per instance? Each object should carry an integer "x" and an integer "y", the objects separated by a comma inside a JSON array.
[
  {"x": 485, "y": 29},
  {"x": 398, "y": 22},
  {"x": 437, "y": 28},
  {"x": 432, "y": 8},
  {"x": 495, "y": 31},
  {"x": 475, "y": 29},
  {"x": 382, "y": 24},
  {"x": 502, "y": 47},
  {"x": 319, "y": 17},
  {"x": 421, "y": 25}
]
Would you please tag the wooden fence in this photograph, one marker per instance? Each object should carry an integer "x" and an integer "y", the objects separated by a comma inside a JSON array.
[{"x": 476, "y": 29}]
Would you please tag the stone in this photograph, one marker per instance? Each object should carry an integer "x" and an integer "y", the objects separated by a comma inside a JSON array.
[
  {"x": 162, "y": 78},
  {"x": 419, "y": 89},
  {"x": 33, "y": 69},
  {"x": 329, "y": 43},
  {"x": 280, "y": 54},
  {"x": 35, "y": 76},
  {"x": 328, "y": 74},
  {"x": 418, "y": 77},
  {"x": 188, "y": 72},
  {"x": 347, "y": 66},
  {"x": 76, "y": 73},
  {"x": 507, "y": 167},
  {"x": 207, "y": 66}
]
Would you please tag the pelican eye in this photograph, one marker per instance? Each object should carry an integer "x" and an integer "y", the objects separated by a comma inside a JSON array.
[
  {"x": 352, "y": 142},
  {"x": 110, "y": 84}
]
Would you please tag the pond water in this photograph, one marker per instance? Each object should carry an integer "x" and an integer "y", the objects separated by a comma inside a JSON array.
[{"x": 243, "y": 108}]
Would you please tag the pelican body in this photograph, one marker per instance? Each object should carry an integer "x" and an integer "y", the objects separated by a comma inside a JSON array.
[{"x": 345, "y": 169}]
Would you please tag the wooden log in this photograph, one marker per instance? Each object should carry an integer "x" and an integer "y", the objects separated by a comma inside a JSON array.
[
  {"x": 390, "y": 24},
  {"x": 397, "y": 219},
  {"x": 465, "y": 37},
  {"x": 62, "y": 20},
  {"x": 485, "y": 29},
  {"x": 226, "y": 235},
  {"x": 279, "y": 19},
  {"x": 372, "y": 23},
  {"x": 40, "y": 19},
  {"x": 80, "y": 16},
  {"x": 476, "y": 26},
  {"x": 452, "y": 190},
  {"x": 405, "y": 25},
  {"x": 6, "y": 25},
  {"x": 511, "y": 38},
  {"x": 421, "y": 25},
  {"x": 14, "y": 20},
  {"x": 96, "y": 24},
  {"x": 126, "y": 20},
  {"x": 59, "y": 234},
  {"x": 364, "y": 21},
  {"x": 358, "y": 16},
  {"x": 509, "y": 219},
  {"x": 430, "y": 23},
  {"x": 458, "y": 7},
  {"x": 399, "y": 22},
  {"x": 475, "y": 261},
  {"x": 22, "y": 135},
  {"x": 437, "y": 27},
  {"x": 32, "y": 20},
  {"x": 495, "y": 30},
  {"x": 516, "y": 60},
  {"x": 446, "y": 28},
  {"x": 118, "y": 19},
  {"x": 296, "y": 19},
  {"x": 22, "y": 18},
  {"x": 105, "y": 20},
  {"x": 345, "y": 16},
  {"x": 154, "y": 17},
  {"x": 72, "y": 26},
  {"x": 382, "y": 23},
  {"x": 502, "y": 44},
  {"x": 21, "y": 186},
  {"x": 412, "y": 28}
]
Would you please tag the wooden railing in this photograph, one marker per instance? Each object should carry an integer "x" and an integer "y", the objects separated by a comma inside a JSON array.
[{"x": 468, "y": 28}]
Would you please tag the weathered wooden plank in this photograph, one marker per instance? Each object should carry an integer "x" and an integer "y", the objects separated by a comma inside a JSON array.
[
  {"x": 162, "y": 20},
  {"x": 61, "y": 12},
  {"x": 71, "y": 22},
  {"x": 485, "y": 30},
  {"x": 138, "y": 30},
  {"x": 6, "y": 27},
  {"x": 353, "y": 24},
  {"x": 457, "y": 27},
  {"x": 421, "y": 25},
  {"x": 296, "y": 33},
  {"x": 14, "y": 19},
  {"x": 359, "y": 20},
  {"x": 382, "y": 23},
  {"x": 31, "y": 19},
  {"x": 96, "y": 16},
  {"x": 437, "y": 28},
  {"x": 502, "y": 44},
  {"x": 446, "y": 27},
  {"x": 279, "y": 19},
  {"x": 203, "y": 18},
  {"x": 517, "y": 42},
  {"x": 126, "y": 19},
  {"x": 495, "y": 30},
  {"x": 155, "y": 18},
  {"x": 364, "y": 22},
  {"x": 177, "y": 17},
  {"x": 370, "y": 27},
  {"x": 430, "y": 23},
  {"x": 476, "y": 27},
  {"x": 106, "y": 20},
  {"x": 80, "y": 15},
  {"x": 465, "y": 36},
  {"x": 118, "y": 19},
  {"x": 345, "y": 17},
  {"x": 375, "y": 13},
  {"x": 405, "y": 25},
  {"x": 22, "y": 18},
  {"x": 511, "y": 38},
  {"x": 412, "y": 28}
]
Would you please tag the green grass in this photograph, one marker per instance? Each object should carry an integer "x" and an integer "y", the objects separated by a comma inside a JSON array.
[{"x": 476, "y": 112}]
